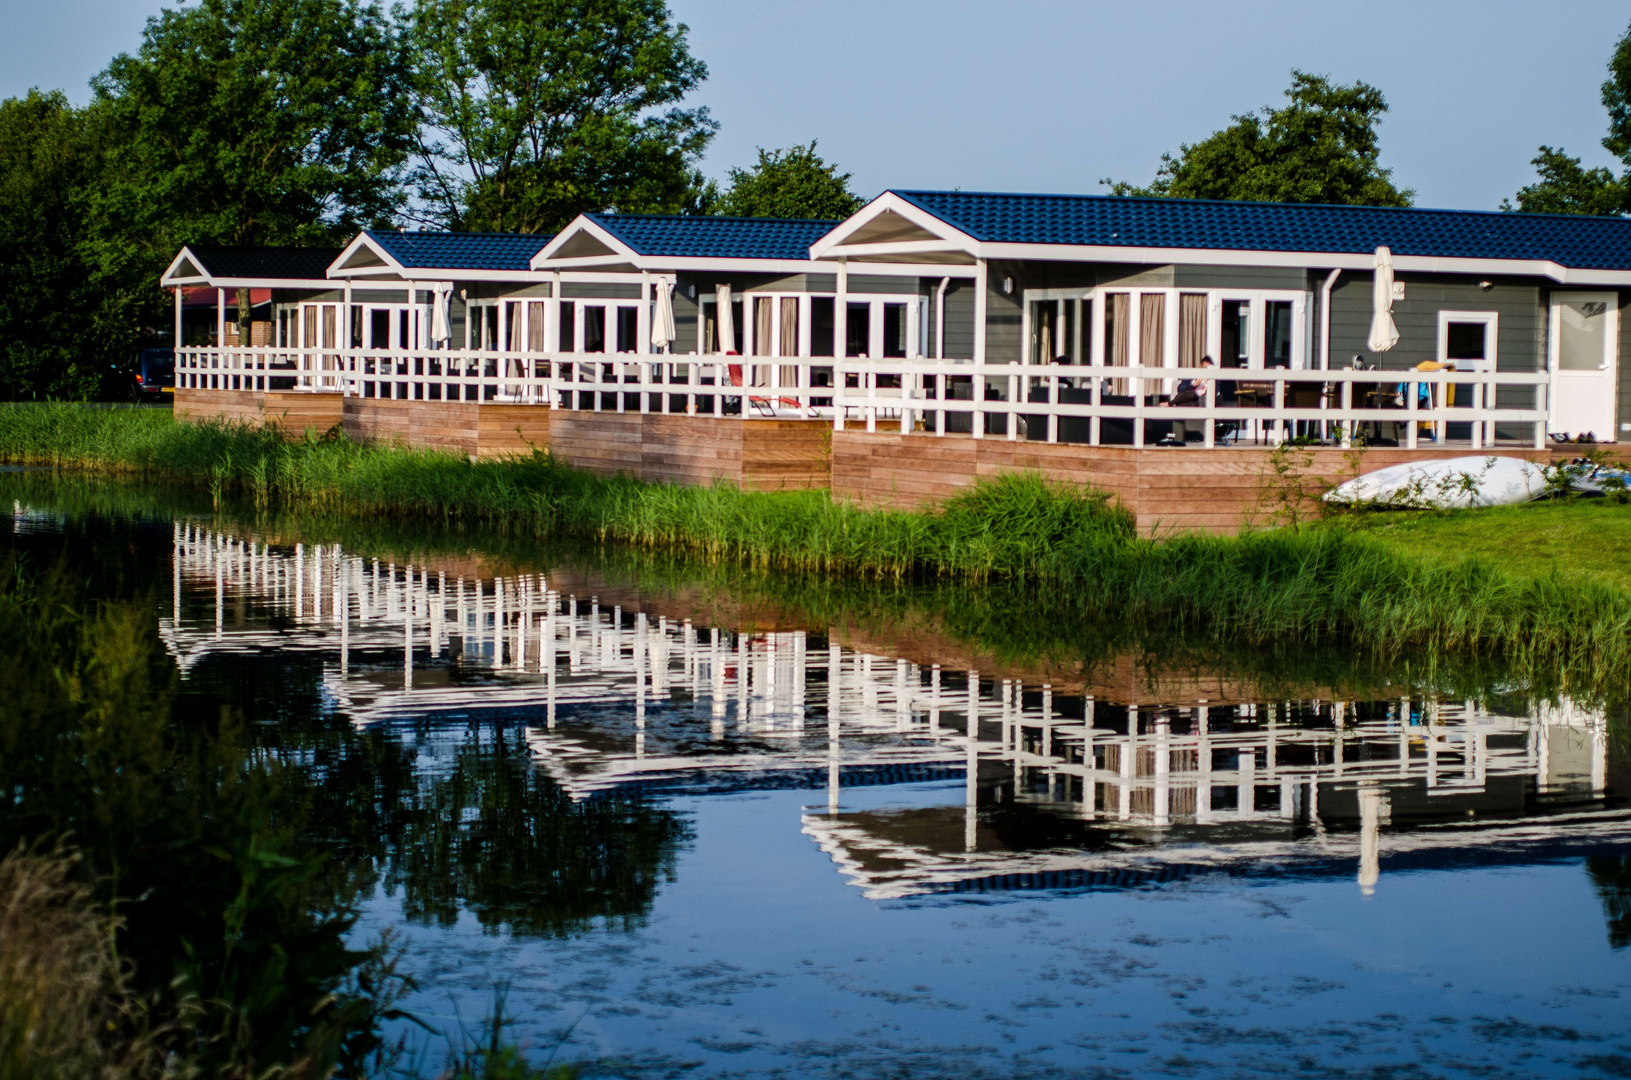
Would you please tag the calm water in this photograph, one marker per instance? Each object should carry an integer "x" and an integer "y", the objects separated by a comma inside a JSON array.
[{"x": 698, "y": 827}]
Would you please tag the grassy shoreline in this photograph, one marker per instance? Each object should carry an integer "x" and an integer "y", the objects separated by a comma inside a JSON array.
[{"x": 1280, "y": 587}]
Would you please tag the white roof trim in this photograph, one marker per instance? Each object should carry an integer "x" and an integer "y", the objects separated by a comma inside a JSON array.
[
  {"x": 173, "y": 276},
  {"x": 582, "y": 225},
  {"x": 362, "y": 242},
  {"x": 1299, "y": 260},
  {"x": 889, "y": 202}
]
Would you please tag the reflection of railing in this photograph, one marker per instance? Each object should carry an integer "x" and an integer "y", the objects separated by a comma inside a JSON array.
[
  {"x": 1133, "y": 406},
  {"x": 625, "y": 697}
]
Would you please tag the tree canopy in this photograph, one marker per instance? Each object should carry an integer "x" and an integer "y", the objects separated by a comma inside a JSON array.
[
  {"x": 1322, "y": 147},
  {"x": 790, "y": 183},
  {"x": 535, "y": 111},
  {"x": 50, "y": 306},
  {"x": 1564, "y": 185},
  {"x": 248, "y": 122}
]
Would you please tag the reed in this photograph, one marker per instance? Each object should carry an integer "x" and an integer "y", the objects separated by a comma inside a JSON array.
[{"x": 1297, "y": 586}]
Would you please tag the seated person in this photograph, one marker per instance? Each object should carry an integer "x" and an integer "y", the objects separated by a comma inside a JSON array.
[{"x": 1192, "y": 391}]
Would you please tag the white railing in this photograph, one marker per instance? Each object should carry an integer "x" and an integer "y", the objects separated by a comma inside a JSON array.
[
  {"x": 722, "y": 386},
  {"x": 1097, "y": 406},
  {"x": 1102, "y": 406}
]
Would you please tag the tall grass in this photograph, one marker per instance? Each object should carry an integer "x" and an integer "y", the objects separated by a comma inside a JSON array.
[
  {"x": 66, "y": 1009},
  {"x": 1278, "y": 587}
]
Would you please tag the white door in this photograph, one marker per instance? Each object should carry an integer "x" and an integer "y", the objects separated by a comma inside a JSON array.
[{"x": 1585, "y": 330}]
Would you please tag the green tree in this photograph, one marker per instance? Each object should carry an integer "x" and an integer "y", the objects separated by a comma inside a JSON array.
[
  {"x": 251, "y": 122},
  {"x": 534, "y": 111},
  {"x": 1320, "y": 148},
  {"x": 791, "y": 183},
  {"x": 50, "y": 310},
  {"x": 1567, "y": 187}
]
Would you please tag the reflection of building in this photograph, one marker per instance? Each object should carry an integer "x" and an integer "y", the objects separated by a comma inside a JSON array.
[{"x": 1066, "y": 786}]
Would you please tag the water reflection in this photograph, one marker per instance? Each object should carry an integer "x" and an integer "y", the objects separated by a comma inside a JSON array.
[{"x": 1076, "y": 784}]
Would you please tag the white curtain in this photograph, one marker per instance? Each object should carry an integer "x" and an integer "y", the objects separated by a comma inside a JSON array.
[{"x": 725, "y": 319}]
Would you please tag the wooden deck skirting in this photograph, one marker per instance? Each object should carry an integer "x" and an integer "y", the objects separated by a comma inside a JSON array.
[
  {"x": 479, "y": 430},
  {"x": 1177, "y": 489},
  {"x": 758, "y": 455},
  {"x": 294, "y": 412}
]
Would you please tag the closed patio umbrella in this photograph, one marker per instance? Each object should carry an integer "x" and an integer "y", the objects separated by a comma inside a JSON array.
[
  {"x": 440, "y": 324},
  {"x": 1383, "y": 334},
  {"x": 727, "y": 321},
  {"x": 662, "y": 322}
]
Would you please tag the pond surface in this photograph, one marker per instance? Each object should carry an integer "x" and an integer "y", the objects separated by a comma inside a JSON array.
[{"x": 698, "y": 826}]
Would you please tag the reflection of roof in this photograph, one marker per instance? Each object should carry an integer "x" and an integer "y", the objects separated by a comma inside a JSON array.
[
  {"x": 889, "y": 862},
  {"x": 1112, "y": 221},
  {"x": 459, "y": 251},
  {"x": 685, "y": 236},
  {"x": 277, "y": 263}
]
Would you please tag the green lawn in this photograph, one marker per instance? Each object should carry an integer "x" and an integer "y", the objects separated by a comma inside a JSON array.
[{"x": 1579, "y": 537}]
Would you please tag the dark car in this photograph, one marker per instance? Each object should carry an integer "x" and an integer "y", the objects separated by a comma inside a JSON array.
[{"x": 153, "y": 376}]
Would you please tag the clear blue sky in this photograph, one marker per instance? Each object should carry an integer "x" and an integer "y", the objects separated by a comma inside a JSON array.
[{"x": 1053, "y": 96}]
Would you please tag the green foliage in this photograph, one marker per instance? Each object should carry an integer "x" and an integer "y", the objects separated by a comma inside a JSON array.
[
  {"x": 1564, "y": 185},
  {"x": 49, "y": 298},
  {"x": 538, "y": 110},
  {"x": 251, "y": 122},
  {"x": 791, "y": 183},
  {"x": 245, "y": 964},
  {"x": 1321, "y": 148}
]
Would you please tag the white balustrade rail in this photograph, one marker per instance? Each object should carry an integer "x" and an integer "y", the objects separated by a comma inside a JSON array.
[
  {"x": 714, "y": 385},
  {"x": 1128, "y": 405},
  {"x": 1098, "y": 406}
]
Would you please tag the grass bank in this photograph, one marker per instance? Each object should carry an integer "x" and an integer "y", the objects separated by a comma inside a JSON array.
[
  {"x": 1283, "y": 587},
  {"x": 1587, "y": 539}
]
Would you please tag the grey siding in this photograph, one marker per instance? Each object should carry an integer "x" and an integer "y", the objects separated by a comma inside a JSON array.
[
  {"x": 878, "y": 283},
  {"x": 304, "y": 296},
  {"x": 1002, "y": 313},
  {"x": 534, "y": 291},
  {"x": 1623, "y": 369},
  {"x": 960, "y": 319},
  {"x": 595, "y": 290},
  {"x": 378, "y": 296},
  {"x": 1521, "y": 340},
  {"x": 685, "y": 316},
  {"x": 457, "y": 316},
  {"x": 811, "y": 283},
  {"x": 1133, "y": 276},
  {"x": 1239, "y": 277}
]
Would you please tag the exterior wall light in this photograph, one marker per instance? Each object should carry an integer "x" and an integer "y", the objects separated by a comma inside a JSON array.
[
  {"x": 1008, "y": 286},
  {"x": 1486, "y": 286}
]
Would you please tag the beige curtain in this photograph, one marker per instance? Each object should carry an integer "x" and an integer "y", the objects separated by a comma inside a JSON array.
[
  {"x": 535, "y": 327},
  {"x": 1152, "y": 330},
  {"x": 1118, "y": 316},
  {"x": 789, "y": 374},
  {"x": 790, "y": 326},
  {"x": 1191, "y": 329},
  {"x": 762, "y": 314}
]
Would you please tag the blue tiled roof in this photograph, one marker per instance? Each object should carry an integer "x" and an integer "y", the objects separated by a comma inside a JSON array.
[
  {"x": 687, "y": 237},
  {"x": 461, "y": 251},
  {"x": 1597, "y": 243}
]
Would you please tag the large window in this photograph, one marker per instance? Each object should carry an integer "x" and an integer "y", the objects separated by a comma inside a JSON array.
[{"x": 1166, "y": 328}]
